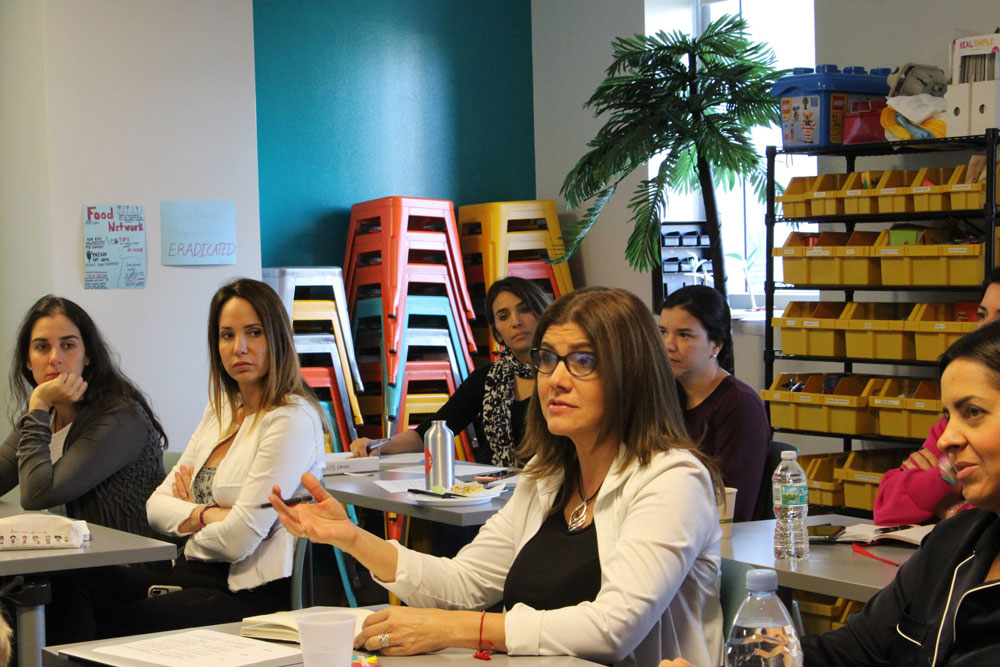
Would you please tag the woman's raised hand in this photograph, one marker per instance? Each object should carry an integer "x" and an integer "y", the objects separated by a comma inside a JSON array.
[
  {"x": 324, "y": 521},
  {"x": 66, "y": 389}
]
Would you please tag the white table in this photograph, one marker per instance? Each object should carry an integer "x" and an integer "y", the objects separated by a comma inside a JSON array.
[
  {"x": 831, "y": 569},
  {"x": 54, "y": 656},
  {"x": 361, "y": 490},
  {"x": 105, "y": 547}
]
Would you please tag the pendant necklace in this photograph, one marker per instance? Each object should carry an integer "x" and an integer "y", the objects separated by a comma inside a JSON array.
[{"x": 578, "y": 516}]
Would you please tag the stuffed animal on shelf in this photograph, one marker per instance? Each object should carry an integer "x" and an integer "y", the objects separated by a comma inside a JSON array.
[{"x": 915, "y": 103}]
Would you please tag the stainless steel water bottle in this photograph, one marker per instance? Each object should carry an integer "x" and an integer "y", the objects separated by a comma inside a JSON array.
[{"x": 439, "y": 456}]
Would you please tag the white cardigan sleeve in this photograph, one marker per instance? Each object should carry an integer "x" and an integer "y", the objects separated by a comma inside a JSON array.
[
  {"x": 165, "y": 512},
  {"x": 667, "y": 518},
  {"x": 289, "y": 442}
]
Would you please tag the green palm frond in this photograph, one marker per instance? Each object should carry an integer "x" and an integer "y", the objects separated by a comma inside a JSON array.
[{"x": 689, "y": 101}]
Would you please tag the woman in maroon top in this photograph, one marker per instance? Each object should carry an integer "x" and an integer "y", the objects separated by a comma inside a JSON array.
[{"x": 725, "y": 415}]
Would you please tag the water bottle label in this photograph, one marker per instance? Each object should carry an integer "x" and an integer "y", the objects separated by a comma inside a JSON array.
[
  {"x": 788, "y": 495},
  {"x": 428, "y": 461}
]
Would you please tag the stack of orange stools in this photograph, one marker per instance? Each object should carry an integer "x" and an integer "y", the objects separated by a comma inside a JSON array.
[{"x": 513, "y": 238}]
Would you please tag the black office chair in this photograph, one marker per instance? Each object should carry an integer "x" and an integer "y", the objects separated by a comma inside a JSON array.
[{"x": 765, "y": 507}]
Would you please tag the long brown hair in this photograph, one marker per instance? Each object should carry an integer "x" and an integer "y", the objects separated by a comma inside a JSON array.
[
  {"x": 284, "y": 377},
  {"x": 641, "y": 404},
  {"x": 104, "y": 379}
]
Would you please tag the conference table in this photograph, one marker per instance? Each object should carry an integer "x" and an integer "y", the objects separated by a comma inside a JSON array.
[
  {"x": 831, "y": 569},
  {"x": 106, "y": 546},
  {"x": 361, "y": 490},
  {"x": 84, "y": 654}
]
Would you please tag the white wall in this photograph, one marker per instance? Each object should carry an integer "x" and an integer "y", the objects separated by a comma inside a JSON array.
[
  {"x": 570, "y": 49},
  {"x": 143, "y": 101}
]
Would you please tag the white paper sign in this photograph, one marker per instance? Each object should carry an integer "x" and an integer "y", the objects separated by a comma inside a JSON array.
[
  {"x": 197, "y": 232},
  {"x": 114, "y": 246}
]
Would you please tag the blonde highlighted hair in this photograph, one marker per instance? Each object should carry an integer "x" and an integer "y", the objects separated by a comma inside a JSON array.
[{"x": 284, "y": 376}]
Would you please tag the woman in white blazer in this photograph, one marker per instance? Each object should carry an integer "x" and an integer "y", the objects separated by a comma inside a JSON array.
[
  {"x": 608, "y": 549},
  {"x": 262, "y": 424}
]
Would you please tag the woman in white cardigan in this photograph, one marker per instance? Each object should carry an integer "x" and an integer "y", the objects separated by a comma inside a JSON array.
[
  {"x": 262, "y": 424},
  {"x": 608, "y": 549}
]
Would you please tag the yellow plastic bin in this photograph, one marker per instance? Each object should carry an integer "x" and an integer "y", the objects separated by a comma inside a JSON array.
[
  {"x": 859, "y": 192},
  {"x": 935, "y": 329},
  {"x": 878, "y": 331},
  {"x": 931, "y": 188},
  {"x": 894, "y": 191},
  {"x": 946, "y": 263},
  {"x": 812, "y": 329},
  {"x": 824, "y": 261},
  {"x": 794, "y": 202},
  {"x": 842, "y": 409},
  {"x": 890, "y": 406},
  {"x": 924, "y": 407},
  {"x": 860, "y": 265},
  {"x": 863, "y": 471},
  {"x": 827, "y": 197},
  {"x": 896, "y": 268},
  {"x": 783, "y": 401},
  {"x": 969, "y": 196},
  {"x": 823, "y": 488},
  {"x": 795, "y": 264},
  {"x": 819, "y": 612}
]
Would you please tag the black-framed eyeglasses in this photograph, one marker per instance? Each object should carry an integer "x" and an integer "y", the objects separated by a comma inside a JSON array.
[{"x": 579, "y": 364}]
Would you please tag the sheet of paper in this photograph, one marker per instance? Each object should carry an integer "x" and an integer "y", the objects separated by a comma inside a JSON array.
[
  {"x": 400, "y": 485},
  {"x": 114, "y": 247},
  {"x": 201, "y": 648},
  {"x": 197, "y": 232}
]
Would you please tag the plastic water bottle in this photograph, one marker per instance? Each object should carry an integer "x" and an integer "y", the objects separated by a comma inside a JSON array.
[
  {"x": 439, "y": 456},
  {"x": 790, "y": 493},
  {"x": 763, "y": 634}
]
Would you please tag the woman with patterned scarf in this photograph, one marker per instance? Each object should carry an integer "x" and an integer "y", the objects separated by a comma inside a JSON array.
[{"x": 494, "y": 398}]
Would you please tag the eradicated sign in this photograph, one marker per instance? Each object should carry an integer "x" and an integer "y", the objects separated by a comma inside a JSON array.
[{"x": 197, "y": 232}]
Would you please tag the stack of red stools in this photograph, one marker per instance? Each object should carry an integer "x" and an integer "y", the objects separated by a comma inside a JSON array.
[{"x": 405, "y": 283}]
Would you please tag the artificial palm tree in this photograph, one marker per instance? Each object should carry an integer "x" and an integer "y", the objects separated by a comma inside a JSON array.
[{"x": 691, "y": 101}]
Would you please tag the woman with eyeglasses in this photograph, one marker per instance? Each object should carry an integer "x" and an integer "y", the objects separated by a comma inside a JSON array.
[{"x": 608, "y": 549}]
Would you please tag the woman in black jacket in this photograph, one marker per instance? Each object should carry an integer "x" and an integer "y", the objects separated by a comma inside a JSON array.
[{"x": 84, "y": 438}]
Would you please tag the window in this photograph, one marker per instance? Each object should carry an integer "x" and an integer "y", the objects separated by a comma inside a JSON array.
[{"x": 789, "y": 30}]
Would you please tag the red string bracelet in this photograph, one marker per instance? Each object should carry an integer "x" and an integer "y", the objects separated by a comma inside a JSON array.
[
  {"x": 201, "y": 514},
  {"x": 484, "y": 651}
]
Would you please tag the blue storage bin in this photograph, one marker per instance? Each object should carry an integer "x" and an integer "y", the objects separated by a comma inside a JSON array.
[{"x": 813, "y": 104}]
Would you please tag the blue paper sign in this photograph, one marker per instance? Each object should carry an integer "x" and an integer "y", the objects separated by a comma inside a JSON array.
[{"x": 197, "y": 232}]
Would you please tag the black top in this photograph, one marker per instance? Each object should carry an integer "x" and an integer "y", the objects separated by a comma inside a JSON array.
[
  {"x": 556, "y": 568},
  {"x": 112, "y": 461},
  {"x": 938, "y": 605},
  {"x": 466, "y": 407},
  {"x": 731, "y": 426}
]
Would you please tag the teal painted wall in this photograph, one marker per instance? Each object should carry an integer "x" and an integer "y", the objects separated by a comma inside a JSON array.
[{"x": 359, "y": 99}]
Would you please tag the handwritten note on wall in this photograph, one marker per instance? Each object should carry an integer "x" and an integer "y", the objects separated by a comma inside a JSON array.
[
  {"x": 114, "y": 246},
  {"x": 197, "y": 232}
]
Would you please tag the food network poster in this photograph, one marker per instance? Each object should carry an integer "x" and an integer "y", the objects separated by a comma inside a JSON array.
[
  {"x": 197, "y": 232},
  {"x": 114, "y": 247}
]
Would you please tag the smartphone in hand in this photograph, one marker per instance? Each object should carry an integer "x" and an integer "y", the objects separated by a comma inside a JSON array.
[{"x": 494, "y": 476}]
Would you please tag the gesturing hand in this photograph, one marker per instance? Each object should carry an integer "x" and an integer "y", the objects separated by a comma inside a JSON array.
[
  {"x": 360, "y": 446},
  {"x": 66, "y": 389},
  {"x": 323, "y": 521}
]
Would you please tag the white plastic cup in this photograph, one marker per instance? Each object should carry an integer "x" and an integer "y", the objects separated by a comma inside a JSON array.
[
  {"x": 327, "y": 639},
  {"x": 726, "y": 512}
]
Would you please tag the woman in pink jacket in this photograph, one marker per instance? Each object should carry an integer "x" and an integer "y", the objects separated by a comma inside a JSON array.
[{"x": 915, "y": 492}]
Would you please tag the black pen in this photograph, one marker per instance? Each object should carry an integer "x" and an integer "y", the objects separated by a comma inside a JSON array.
[
  {"x": 891, "y": 529},
  {"x": 289, "y": 501},
  {"x": 446, "y": 494},
  {"x": 376, "y": 444}
]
